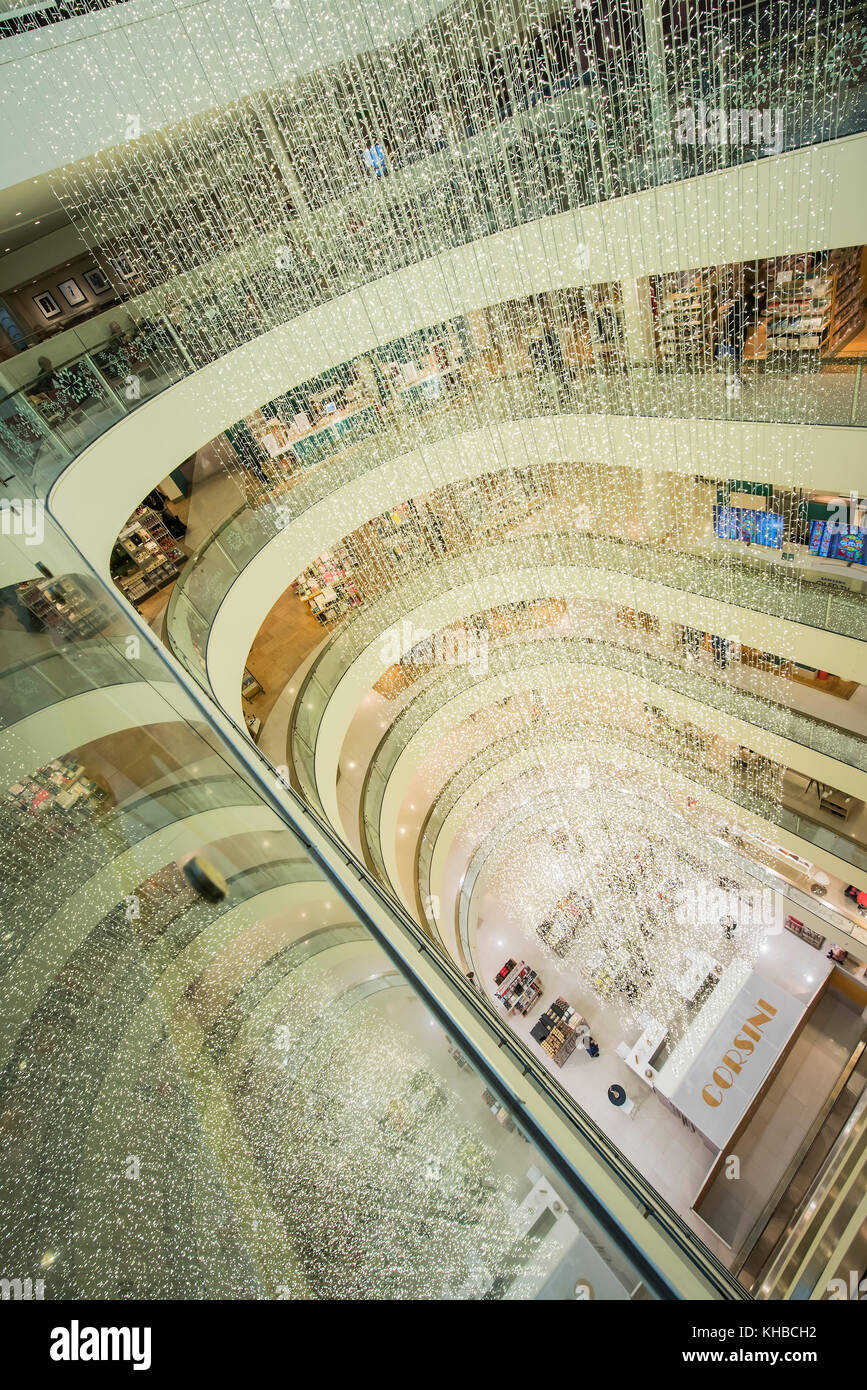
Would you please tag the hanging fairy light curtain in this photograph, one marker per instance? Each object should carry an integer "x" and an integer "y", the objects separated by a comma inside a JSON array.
[
  {"x": 487, "y": 117},
  {"x": 491, "y": 116}
]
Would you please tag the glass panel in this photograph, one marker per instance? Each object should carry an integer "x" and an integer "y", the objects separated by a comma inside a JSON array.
[{"x": 194, "y": 1022}]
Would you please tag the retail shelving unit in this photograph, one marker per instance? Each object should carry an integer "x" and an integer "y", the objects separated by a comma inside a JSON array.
[
  {"x": 62, "y": 607},
  {"x": 328, "y": 588},
  {"x": 43, "y": 812},
  {"x": 848, "y": 315},
  {"x": 799, "y": 309},
  {"x": 687, "y": 320},
  {"x": 815, "y": 303},
  {"x": 519, "y": 989},
  {"x": 153, "y": 552}
]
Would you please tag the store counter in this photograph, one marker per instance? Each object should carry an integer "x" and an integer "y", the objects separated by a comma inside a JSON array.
[
  {"x": 728, "y": 1074},
  {"x": 704, "y": 1025}
]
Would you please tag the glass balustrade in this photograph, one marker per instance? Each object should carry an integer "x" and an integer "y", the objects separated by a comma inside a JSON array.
[
  {"x": 68, "y": 405},
  {"x": 559, "y": 653},
  {"x": 189, "y": 997},
  {"x": 749, "y": 798}
]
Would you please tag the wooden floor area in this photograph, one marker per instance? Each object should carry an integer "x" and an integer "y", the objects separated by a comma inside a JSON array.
[{"x": 288, "y": 633}]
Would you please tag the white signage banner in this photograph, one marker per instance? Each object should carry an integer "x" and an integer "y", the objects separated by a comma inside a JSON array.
[{"x": 720, "y": 1085}]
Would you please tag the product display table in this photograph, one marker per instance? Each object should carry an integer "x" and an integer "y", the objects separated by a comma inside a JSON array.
[
  {"x": 559, "y": 1031},
  {"x": 519, "y": 987}
]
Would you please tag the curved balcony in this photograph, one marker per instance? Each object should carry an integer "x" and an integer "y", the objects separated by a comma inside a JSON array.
[
  {"x": 235, "y": 553},
  {"x": 49, "y": 676},
  {"x": 842, "y": 746},
  {"x": 96, "y": 387},
  {"x": 499, "y": 759},
  {"x": 273, "y": 359},
  {"x": 552, "y": 566}
]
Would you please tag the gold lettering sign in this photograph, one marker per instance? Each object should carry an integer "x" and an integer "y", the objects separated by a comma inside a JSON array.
[{"x": 740, "y": 1050}]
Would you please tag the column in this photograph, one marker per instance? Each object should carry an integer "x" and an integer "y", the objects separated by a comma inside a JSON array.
[{"x": 638, "y": 321}]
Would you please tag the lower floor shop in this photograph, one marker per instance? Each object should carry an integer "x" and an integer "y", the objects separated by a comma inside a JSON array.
[{"x": 722, "y": 1201}]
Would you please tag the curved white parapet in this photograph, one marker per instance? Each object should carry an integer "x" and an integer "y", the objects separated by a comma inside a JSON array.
[
  {"x": 828, "y": 651},
  {"x": 146, "y": 54},
  {"x": 517, "y": 764},
  {"x": 677, "y": 226},
  {"x": 80, "y": 719},
  {"x": 609, "y": 682}
]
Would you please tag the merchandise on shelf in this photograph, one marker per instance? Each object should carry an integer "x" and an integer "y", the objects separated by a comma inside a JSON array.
[
  {"x": 688, "y": 319},
  {"x": 41, "y": 812},
  {"x": 815, "y": 302},
  {"x": 520, "y": 988},
  {"x": 848, "y": 312},
  {"x": 153, "y": 556},
  {"x": 559, "y": 1030},
  {"x": 328, "y": 587},
  {"x": 63, "y": 607}
]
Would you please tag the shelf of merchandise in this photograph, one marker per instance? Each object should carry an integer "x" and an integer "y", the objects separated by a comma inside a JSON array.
[
  {"x": 559, "y": 930},
  {"x": 799, "y": 309},
  {"x": 815, "y": 306},
  {"x": 328, "y": 588},
  {"x": 154, "y": 553},
  {"x": 848, "y": 312},
  {"x": 41, "y": 812},
  {"x": 520, "y": 989},
  {"x": 401, "y": 535},
  {"x": 62, "y": 607},
  {"x": 687, "y": 320}
]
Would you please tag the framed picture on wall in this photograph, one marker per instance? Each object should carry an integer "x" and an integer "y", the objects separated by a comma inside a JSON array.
[
  {"x": 47, "y": 305},
  {"x": 97, "y": 281},
  {"x": 72, "y": 292},
  {"x": 121, "y": 266}
]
